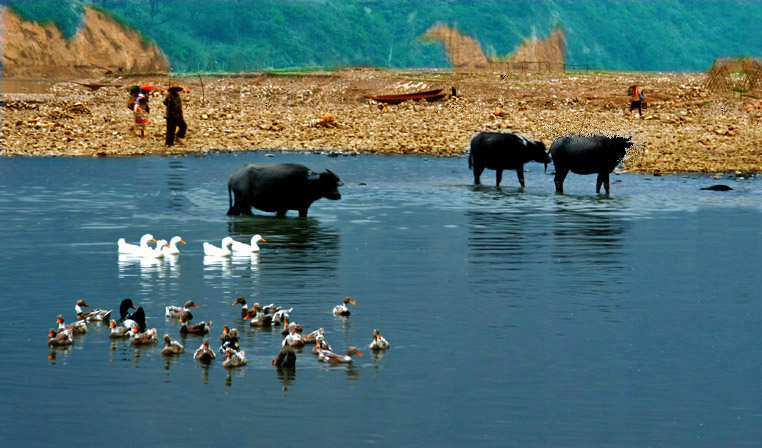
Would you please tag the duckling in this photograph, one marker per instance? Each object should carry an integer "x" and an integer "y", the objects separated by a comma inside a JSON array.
[
  {"x": 175, "y": 312},
  {"x": 286, "y": 358},
  {"x": 118, "y": 332},
  {"x": 78, "y": 327},
  {"x": 333, "y": 358},
  {"x": 203, "y": 353},
  {"x": 96, "y": 315},
  {"x": 342, "y": 310},
  {"x": 171, "y": 347},
  {"x": 234, "y": 358},
  {"x": 378, "y": 342}
]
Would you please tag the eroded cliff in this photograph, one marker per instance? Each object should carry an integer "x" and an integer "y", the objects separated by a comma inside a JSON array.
[{"x": 31, "y": 50}]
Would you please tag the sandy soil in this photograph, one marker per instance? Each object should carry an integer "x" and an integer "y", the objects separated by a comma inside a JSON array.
[{"x": 685, "y": 128}]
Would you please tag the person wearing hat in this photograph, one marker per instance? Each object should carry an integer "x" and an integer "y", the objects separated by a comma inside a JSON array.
[
  {"x": 141, "y": 114},
  {"x": 636, "y": 99},
  {"x": 176, "y": 126}
]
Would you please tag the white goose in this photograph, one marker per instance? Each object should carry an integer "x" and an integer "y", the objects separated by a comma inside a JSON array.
[
  {"x": 172, "y": 248},
  {"x": 211, "y": 250},
  {"x": 127, "y": 248},
  {"x": 245, "y": 249},
  {"x": 155, "y": 252}
]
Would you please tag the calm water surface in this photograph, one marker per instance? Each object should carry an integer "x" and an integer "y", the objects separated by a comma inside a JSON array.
[{"x": 516, "y": 318}]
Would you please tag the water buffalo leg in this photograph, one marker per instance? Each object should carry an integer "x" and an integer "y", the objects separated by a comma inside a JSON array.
[
  {"x": 520, "y": 174},
  {"x": 280, "y": 213},
  {"x": 302, "y": 212},
  {"x": 498, "y": 176},
  {"x": 603, "y": 178},
  {"x": 559, "y": 178},
  {"x": 478, "y": 169}
]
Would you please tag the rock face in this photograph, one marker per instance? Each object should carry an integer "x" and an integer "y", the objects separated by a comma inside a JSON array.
[{"x": 30, "y": 50}]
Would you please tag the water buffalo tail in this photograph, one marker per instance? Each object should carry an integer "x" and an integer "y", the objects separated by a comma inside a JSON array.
[{"x": 470, "y": 160}]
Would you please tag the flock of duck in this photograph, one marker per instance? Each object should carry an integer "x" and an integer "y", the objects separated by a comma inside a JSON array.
[{"x": 132, "y": 325}]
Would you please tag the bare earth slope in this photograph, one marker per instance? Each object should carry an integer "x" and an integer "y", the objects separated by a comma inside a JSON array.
[{"x": 101, "y": 45}]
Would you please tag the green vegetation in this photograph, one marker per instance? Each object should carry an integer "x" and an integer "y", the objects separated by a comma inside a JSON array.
[{"x": 240, "y": 35}]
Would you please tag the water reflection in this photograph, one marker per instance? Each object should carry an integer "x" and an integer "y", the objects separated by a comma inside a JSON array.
[
  {"x": 149, "y": 267},
  {"x": 286, "y": 375},
  {"x": 231, "y": 372},
  {"x": 588, "y": 245},
  {"x": 176, "y": 183},
  {"x": 301, "y": 245}
]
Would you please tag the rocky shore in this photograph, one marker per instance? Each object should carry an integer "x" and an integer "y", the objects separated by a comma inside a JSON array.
[{"x": 685, "y": 127}]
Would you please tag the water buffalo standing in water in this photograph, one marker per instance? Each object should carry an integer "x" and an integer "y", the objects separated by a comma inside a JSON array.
[
  {"x": 279, "y": 187},
  {"x": 502, "y": 151},
  {"x": 588, "y": 155}
]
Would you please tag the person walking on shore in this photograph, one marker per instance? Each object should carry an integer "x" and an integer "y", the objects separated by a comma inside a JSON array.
[
  {"x": 141, "y": 114},
  {"x": 636, "y": 99},
  {"x": 176, "y": 126}
]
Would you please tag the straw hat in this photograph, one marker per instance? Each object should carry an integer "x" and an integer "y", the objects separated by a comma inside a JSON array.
[{"x": 175, "y": 86}]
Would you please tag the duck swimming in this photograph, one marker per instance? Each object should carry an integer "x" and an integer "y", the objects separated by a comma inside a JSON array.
[
  {"x": 378, "y": 342},
  {"x": 171, "y": 347},
  {"x": 342, "y": 310},
  {"x": 294, "y": 339},
  {"x": 145, "y": 338},
  {"x": 211, "y": 250},
  {"x": 245, "y": 249},
  {"x": 130, "y": 319},
  {"x": 244, "y": 308},
  {"x": 76, "y": 328},
  {"x": 96, "y": 315},
  {"x": 311, "y": 338},
  {"x": 126, "y": 248},
  {"x": 199, "y": 328},
  {"x": 229, "y": 340},
  {"x": 320, "y": 346},
  {"x": 258, "y": 319},
  {"x": 203, "y": 353},
  {"x": 286, "y": 358},
  {"x": 118, "y": 332},
  {"x": 59, "y": 339},
  {"x": 333, "y": 358},
  {"x": 155, "y": 252},
  {"x": 234, "y": 358},
  {"x": 176, "y": 312},
  {"x": 172, "y": 249}
]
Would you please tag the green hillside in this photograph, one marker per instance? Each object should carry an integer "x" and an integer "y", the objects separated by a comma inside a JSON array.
[{"x": 239, "y": 35}]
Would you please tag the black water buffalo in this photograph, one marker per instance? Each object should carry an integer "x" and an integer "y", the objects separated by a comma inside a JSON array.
[
  {"x": 502, "y": 151},
  {"x": 279, "y": 187},
  {"x": 588, "y": 155}
]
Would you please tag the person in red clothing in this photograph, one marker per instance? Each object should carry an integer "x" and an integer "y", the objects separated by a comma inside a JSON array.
[
  {"x": 636, "y": 99},
  {"x": 141, "y": 114}
]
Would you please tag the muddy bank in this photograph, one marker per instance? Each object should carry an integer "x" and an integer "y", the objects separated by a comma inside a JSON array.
[{"x": 685, "y": 128}]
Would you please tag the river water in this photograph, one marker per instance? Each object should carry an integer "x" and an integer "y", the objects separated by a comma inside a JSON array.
[{"x": 516, "y": 318}]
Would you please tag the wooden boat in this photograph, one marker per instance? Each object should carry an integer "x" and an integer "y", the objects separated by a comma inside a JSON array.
[
  {"x": 94, "y": 85},
  {"x": 428, "y": 95}
]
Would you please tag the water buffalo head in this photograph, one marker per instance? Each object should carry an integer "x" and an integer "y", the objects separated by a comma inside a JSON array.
[
  {"x": 538, "y": 152},
  {"x": 327, "y": 184}
]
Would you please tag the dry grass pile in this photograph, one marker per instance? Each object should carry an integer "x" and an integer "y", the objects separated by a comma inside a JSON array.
[
  {"x": 734, "y": 74},
  {"x": 465, "y": 53}
]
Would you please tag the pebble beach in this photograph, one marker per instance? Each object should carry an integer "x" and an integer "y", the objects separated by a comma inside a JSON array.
[{"x": 684, "y": 128}]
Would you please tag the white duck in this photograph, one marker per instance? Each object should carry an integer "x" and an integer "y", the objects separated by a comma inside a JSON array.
[
  {"x": 127, "y": 248},
  {"x": 172, "y": 248},
  {"x": 245, "y": 249},
  {"x": 211, "y": 250},
  {"x": 156, "y": 252},
  {"x": 378, "y": 342}
]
